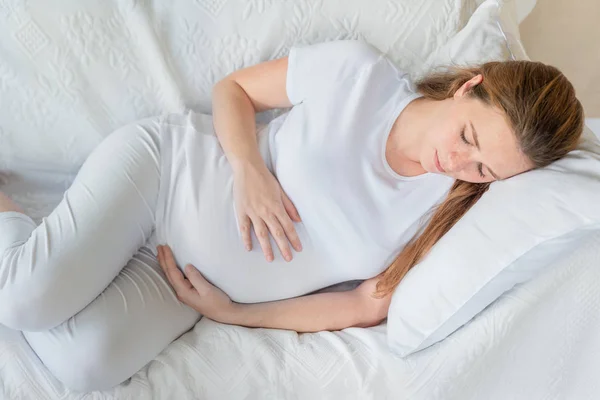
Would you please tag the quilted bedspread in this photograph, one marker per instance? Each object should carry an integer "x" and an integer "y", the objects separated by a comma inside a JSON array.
[{"x": 72, "y": 71}]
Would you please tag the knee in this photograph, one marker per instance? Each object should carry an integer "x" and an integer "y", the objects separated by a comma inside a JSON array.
[
  {"x": 33, "y": 307},
  {"x": 27, "y": 306},
  {"x": 34, "y": 302},
  {"x": 23, "y": 312},
  {"x": 28, "y": 302}
]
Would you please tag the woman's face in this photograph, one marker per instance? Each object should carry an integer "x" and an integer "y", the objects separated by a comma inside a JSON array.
[{"x": 470, "y": 141}]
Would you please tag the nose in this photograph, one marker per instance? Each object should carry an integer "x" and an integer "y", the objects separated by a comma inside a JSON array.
[{"x": 457, "y": 161}]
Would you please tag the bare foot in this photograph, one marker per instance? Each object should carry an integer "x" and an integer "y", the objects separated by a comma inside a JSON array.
[{"x": 6, "y": 204}]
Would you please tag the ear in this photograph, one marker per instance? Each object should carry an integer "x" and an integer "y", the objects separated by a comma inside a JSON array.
[{"x": 464, "y": 89}]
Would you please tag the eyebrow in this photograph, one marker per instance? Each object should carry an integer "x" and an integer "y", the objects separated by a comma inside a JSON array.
[{"x": 479, "y": 148}]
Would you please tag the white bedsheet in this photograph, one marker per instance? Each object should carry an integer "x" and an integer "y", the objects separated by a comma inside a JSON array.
[
  {"x": 539, "y": 341},
  {"x": 72, "y": 71}
]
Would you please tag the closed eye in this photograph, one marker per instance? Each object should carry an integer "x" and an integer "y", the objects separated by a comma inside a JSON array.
[{"x": 463, "y": 137}]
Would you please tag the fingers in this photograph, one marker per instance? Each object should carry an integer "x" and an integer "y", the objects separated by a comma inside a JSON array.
[
  {"x": 290, "y": 231},
  {"x": 262, "y": 234},
  {"x": 290, "y": 208},
  {"x": 280, "y": 238},
  {"x": 288, "y": 226},
  {"x": 183, "y": 287},
  {"x": 195, "y": 278},
  {"x": 278, "y": 224},
  {"x": 280, "y": 227},
  {"x": 245, "y": 226}
]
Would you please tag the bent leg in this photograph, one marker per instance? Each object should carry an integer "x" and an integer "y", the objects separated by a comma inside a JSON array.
[
  {"x": 50, "y": 272},
  {"x": 122, "y": 330}
]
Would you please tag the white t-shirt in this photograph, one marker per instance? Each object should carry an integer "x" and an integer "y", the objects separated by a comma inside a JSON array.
[{"x": 328, "y": 153}]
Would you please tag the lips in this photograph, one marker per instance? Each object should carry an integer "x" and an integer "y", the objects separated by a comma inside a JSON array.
[{"x": 437, "y": 163}]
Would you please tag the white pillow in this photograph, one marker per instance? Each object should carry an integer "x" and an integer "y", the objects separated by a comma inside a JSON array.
[
  {"x": 491, "y": 33},
  {"x": 518, "y": 227}
]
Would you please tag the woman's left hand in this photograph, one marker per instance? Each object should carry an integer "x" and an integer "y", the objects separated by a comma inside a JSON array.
[{"x": 193, "y": 290}]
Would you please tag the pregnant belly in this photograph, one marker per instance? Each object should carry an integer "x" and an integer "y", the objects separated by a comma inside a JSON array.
[
  {"x": 246, "y": 276},
  {"x": 197, "y": 221},
  {"x": 201, "y": 229},
  {"x": 199, "y": 225}
]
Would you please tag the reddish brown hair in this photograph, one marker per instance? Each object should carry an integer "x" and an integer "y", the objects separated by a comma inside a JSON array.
[{"x": 546, "y": 117}]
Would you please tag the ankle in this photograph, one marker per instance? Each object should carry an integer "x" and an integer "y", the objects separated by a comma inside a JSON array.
[{"x": 6, "y": 204}]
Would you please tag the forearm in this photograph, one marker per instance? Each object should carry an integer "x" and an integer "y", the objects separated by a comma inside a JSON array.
[
  {"x": 323, "y": 311},
  {"x": 234, "y": 119},
  {"x": 312, "y": 313}
]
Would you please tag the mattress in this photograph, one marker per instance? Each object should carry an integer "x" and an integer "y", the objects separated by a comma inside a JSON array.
[{"x": 73, "y": 71}]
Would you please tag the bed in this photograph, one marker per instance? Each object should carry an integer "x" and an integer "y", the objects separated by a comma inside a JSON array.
[{"x": 72, "y": 71}]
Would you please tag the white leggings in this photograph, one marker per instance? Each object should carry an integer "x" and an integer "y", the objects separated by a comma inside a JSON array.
[{"x": 91, "y": 301}]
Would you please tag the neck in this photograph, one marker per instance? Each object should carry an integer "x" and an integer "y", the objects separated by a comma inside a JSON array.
[{"x": 405, "y": 141}]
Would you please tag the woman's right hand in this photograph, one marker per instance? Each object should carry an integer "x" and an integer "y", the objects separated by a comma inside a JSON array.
[{"x": 262, "y": 204}]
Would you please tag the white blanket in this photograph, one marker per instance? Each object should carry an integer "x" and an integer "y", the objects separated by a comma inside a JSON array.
[{"x": 72, "y": 71}]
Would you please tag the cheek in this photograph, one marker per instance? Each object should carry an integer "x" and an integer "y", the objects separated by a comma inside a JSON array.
[
  {"x": 448, "y": 131},
  {"x": 439, "y": 133},
  {"x": 447, "y": 140},
  {"x": 444, "y": 132}
]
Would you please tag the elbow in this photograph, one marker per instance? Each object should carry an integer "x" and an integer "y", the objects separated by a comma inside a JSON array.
[
  {"x": 229, "y": 90},
  {"x": 225, "y": 85},
  {"x": 370, "y": 320},
  {"x": 369, "y": 323},
  {"x": 218, "y": 87},
  {"x": 377, "y": 314},
  {"x": 382, "y": 307},
  {"x": 374, "y": 310}
]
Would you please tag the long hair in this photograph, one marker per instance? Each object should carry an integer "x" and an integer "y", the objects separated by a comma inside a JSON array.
[{"x": 546, "y": 117}]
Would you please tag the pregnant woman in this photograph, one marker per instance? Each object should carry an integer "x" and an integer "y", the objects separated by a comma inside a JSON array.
[{"x": 339, "y": 188}]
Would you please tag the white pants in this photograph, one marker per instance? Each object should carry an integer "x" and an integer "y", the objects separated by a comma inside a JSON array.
[{"x": 90, "y": 299}]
